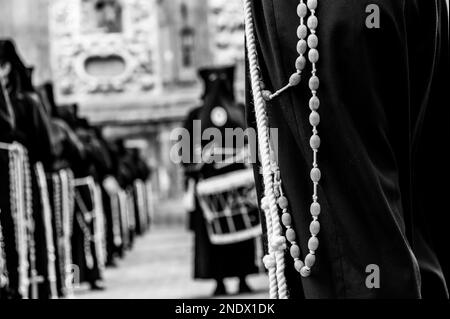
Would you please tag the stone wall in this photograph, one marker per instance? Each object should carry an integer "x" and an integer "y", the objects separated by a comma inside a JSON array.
[{"x": 27, "y": 22}]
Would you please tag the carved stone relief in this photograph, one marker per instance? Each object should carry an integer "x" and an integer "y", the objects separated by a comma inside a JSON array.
[{"x": 117, "y": 54}]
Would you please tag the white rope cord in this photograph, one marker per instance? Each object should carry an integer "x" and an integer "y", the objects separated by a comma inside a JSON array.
[
  {"x": 35, "y": 278},
  {"x": 4, "y": 278},
  {"x": 276, "y": 269},
  {"x": 64, "y": 180},
  {"x": 57, "y": 215}
]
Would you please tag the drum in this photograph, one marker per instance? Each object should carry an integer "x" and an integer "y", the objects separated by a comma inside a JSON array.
[{"x": 229, "y": 205}]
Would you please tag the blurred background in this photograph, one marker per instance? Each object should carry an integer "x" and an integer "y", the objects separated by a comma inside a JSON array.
[
  {"x": 134, "y": 75},
  {"x": 132, "y": 66}
]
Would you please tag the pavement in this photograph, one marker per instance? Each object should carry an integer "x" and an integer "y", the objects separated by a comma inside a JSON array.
[{"x": 160, "y": 266}]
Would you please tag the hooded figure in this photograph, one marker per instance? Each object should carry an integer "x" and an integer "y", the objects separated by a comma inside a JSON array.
[
  {"x": 68, "y": 151},
  {"x": 32, "y": 130},
  {"x": 220, "y": 111},
  {"x": 87, "y": 236},
  {"x": 383, "y": 116},
  {"x": 142, "y": 174},
  {"x": 9, "y": 259}
]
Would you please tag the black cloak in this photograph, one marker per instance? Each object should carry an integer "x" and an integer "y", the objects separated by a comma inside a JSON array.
[
  {"x": 383, "y": 93},
  {"x": 32, "y": 130}
]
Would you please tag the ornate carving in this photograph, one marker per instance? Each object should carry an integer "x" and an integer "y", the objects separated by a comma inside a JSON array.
[
  {"x": 136, "y": 45},
  {"x": 227, "y": 27}
]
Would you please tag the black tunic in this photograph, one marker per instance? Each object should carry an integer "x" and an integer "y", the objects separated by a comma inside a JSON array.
[{"x": 383, "y": 95}]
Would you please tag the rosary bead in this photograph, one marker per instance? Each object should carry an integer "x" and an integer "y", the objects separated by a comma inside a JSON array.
[
  {"x": 314, "y": 83},
  {"x": 295, "y": 79},
  {"x": 314, "y": 118},
  {"x": 313, "y": 243},
  {"x": 300, "y": 63},
  {"x": 313, "y": 41},
  {"x": 312, "y": 22},
  {"x": 283, "y": 202},
  {"x": 313, "y": 55},
  {"x": 301, "y": 46},
  {"x": 290, "y": 235},
  {"x": 299, "y": 265},
  {"x": 302, "y": 10},
  {"x": 266, "y": 95},
  {"x": 312, "y": 4},
  {"x": 286, "y": 219},
  {"x": 302, "y": 31},
  {"x": 314, "y": 103},
  {"x": 315, "y": 142},
  {"x": 314, "y": 227},
  {"x": 295, "y": 251},
  {"x": 315, "y": 175},
  {"x": 310, "y": 260},
  {"x": 315, "y": 209},
  {"x": 305, "y": 272}
]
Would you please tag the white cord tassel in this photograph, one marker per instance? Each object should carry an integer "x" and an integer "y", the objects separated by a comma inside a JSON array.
[{"x": 277, "y": 279}]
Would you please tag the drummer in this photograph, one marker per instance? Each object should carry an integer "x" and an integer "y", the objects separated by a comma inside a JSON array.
[{"x": 219, "y": 110}]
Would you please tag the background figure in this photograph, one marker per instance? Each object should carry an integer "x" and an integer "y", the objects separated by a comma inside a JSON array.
[
  {"x": 32, "y": 130},
  {"x": 221, "y": 111}
]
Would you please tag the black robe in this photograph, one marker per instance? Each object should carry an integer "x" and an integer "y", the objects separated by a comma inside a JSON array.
[
  {"x": 7, "y": 223},
  {"x": 32, "y": 130},
  {"x": 142, "y": 173},
  {"x": 383, "y": 112},
  {"x": 92, "y": 165},
  {"x": 34, "y": 133},
  {"x": 217, "y": 261},
  {"x": 68, "y": 152}
]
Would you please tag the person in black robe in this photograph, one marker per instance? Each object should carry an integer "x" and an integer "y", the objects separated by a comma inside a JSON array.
[
  {"x": 126, "y": 175},
  {"x": 109, "y": 188},
  {"x": 68, "y": 152},
  {"x": 217, "y": 261},
  {"x": 383, "y": 94},
  {"x": 85, "y": 250},
  {"x": 10, "y": 254},
  {"x": 142, "y": 174},
  {"x": 32, "y": 130}
]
